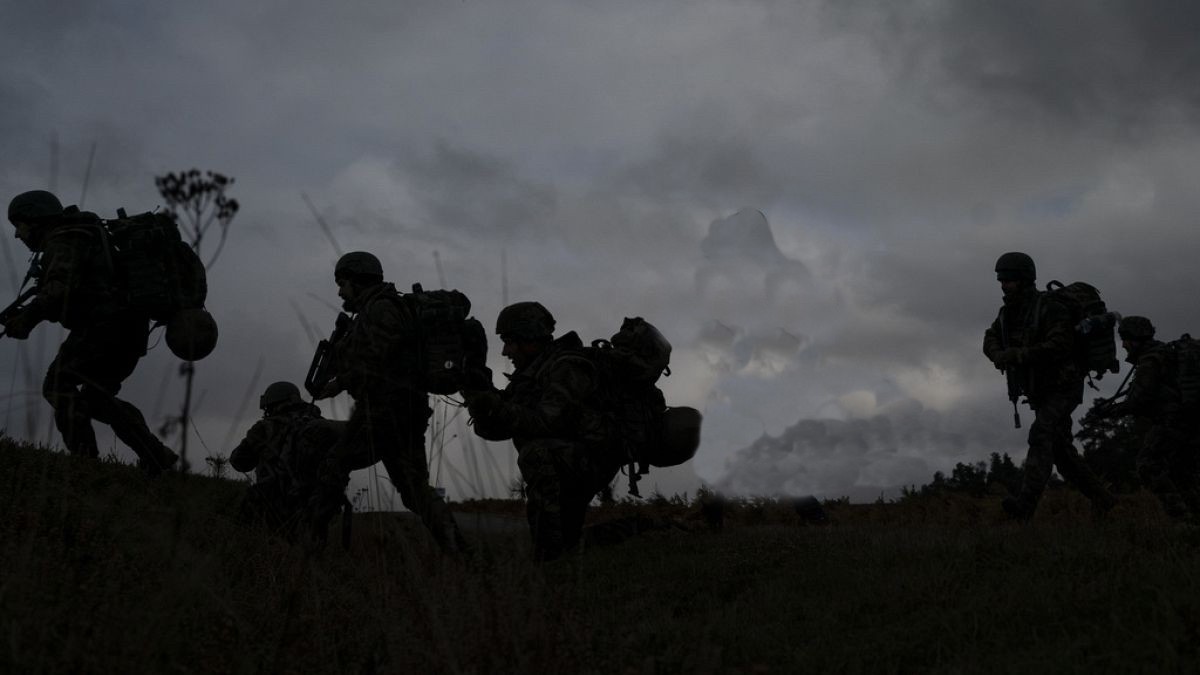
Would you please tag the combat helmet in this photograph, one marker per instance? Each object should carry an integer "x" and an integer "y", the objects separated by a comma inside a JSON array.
[
  {"x": 1135, "y": 328},
  {"x": 1015, "y": 266},
  {"x": 192, "y": 333},
  {"x": 680, "y": 437},
  {"x": 525, "y": 321},
  {"x": 358, "y": 264},
  {"x": 35, "y": 206},
  {"x": 279, "y": 393}
]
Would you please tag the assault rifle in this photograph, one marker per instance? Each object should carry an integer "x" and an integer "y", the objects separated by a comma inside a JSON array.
[
  {"x": 1013, "y": 380},
  {"x": 320, "y": 372},
  {"x": 1103, "y": 404},
  {"x": 35, "y": 273}
]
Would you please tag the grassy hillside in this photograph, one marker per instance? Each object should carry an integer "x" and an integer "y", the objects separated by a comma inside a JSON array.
[{"x": 105, "y": 571}]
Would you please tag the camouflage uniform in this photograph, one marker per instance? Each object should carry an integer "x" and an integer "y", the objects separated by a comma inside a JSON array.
[
  {"x": 1166, "y": 461},
  {"x": 1033, "y": 340},
  {"x": 375, "y": 363},
  {"x": 548, "y": 410},
  {"x": 103, "y": 348},
  {"x": 284, "y": 450}
]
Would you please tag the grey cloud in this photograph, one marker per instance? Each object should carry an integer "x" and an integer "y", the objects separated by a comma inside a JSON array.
[
  {"x": 461, "y": 189},
  {"x": 740, "y": 250},
  {"x": 1114, "y": 63},
  {"x": 728, "y": 348},
  {"x": 712, "y": 161},
  {"x": 903, "y": 445}
]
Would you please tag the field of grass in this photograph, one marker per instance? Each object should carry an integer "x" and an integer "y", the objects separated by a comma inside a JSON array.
[{"x": 102, "y": 570}]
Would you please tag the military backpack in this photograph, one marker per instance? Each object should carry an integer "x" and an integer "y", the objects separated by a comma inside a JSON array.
[
  {"x": 451, "y": 344},
  {"x": 1095, "y": 326},
  {"x": 157, "y": 271},
  {"x": 1186, "y": 352},
  {"x": 647, "y": 432},
  {"x": 154, "y": 271}
]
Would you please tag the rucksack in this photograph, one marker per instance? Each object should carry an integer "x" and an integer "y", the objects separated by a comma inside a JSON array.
[
  {"x": 1187, "y": 370},
  {"x": 451, "y": 345},
  {"x": 1095, "y": 326},
  {"x": 155, "y": 270},
  {"x": 647, "y": 432}
]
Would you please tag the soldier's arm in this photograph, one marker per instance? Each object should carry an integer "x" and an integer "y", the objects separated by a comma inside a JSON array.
[
  {"x": 364, "y": 359},
  {"x": 491, "y": 423},
  {"x": 1058, "y": 339},
  {"x": 63, "y": 263},
  {"x": 992, "y": 340},
  {"x": 1143, "y": 389},
  {"x": 249, "y": 452},
  {"x": 569, "y": 383}
]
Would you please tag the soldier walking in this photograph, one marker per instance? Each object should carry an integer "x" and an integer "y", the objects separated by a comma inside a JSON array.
[
  {"x": 1166, "y": 461},
  {"x": 549, "y": 410},
  {"x": 376, "y": 362},
  {"x": 77, "y": 289},
  {"x": 1032, "y": 341}
]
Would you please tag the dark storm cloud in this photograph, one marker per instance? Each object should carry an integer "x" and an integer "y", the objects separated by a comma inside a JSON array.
[
  {"x": 1117, "y": 64},
  {"x": 592, "y": 157}
]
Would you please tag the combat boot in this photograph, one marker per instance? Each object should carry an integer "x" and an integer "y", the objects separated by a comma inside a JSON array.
[{"x": 163, "y": 459}]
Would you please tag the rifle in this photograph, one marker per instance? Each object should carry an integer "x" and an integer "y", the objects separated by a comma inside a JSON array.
[
  {"x": 1014, "y": 393},
  {"x": 34, "y": 272},
  {"x": 320, "y": 372},
  {"x": 1102, "y": 404}
]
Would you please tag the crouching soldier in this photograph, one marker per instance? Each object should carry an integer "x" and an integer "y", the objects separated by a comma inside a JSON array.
[
  {"x": 284, "y": 450},
  {"x": 375, "y": 361},
  {"x": 1166, "y": 460},
  {"x": 76, "y": 287},
  {"x": 549, "y": 411}
]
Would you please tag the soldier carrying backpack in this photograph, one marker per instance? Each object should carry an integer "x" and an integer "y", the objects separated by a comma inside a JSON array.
[
  {"x": 1036, "y": 340},
  {"x": 576, "y": 415},
  {"x": 79, "y": 285},
  {"x": 389, "y": 352},
  {"x": 1166, "y": 419}
]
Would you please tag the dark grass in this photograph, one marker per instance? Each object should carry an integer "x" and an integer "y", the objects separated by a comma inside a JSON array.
[{"x": 106, "y": 571}]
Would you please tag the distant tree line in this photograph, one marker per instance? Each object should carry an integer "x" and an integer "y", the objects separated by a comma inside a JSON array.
[{"x": 1109, "y": 447}]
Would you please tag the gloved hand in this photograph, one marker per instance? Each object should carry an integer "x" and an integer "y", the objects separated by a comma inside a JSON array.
[
  {"x": 331, "y": 389},
  {"x": 482, "y": 403},
  {"x": 1007, "y": 358},
  {"x": 21, "y": 324}
]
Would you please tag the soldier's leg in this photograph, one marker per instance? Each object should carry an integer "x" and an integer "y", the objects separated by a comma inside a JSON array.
[
  {"x": 1076, "y": 472},
  {"x": 544, "y": 495},
  {"x": 60, "y": 388},
  {"x": 583, "y": 479},
  {"x": 1185, "y": 467},
  {"x": 1154, "y": 468},
  {"x": 408, "y": 471},
  {"x": 108, "y": 364},
  {"x": 1039, "y": 460},
  {"x": 351, "y": 448}
]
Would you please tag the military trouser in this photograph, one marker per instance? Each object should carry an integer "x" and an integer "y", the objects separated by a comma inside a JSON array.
[
  {"x": 561, "y": 478},
  {"x": 1166, "y": 465},
  {"x": 82, "y": 383},
  {"x": 1051, "y": 444},
  {"x": 391, "y": 431}
]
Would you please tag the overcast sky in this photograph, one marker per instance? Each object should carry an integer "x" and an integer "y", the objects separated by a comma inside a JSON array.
[{"x": 807, "y": 198}]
